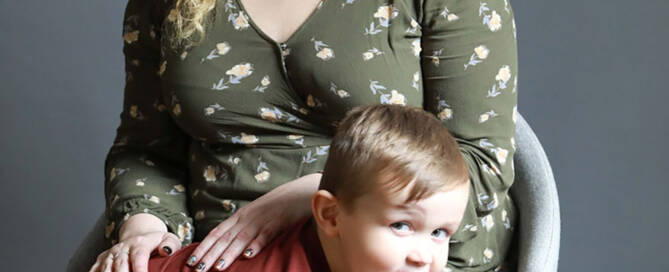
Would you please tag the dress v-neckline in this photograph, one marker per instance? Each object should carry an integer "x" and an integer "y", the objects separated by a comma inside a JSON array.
[{"x": 292, "y": 36}]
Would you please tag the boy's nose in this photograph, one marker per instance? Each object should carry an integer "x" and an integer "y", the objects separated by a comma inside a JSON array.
[{"x": 419, "y": 257}]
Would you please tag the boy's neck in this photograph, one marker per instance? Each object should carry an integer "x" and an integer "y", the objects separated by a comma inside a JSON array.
[{"x": 319, "y": 252}]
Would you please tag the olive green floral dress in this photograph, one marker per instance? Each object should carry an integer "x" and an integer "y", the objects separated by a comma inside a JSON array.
[{"x": 206, "y": 129}]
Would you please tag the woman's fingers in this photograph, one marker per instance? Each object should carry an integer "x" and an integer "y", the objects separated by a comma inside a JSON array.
[
  {"x": 139, "y": 257},
  {"x": 120, "y": 263},
  {"x": 234, "y": 248},
  {"x": 222, "y": 231},
  {"x": 169, "y": 245},
  {"x": 264, "y": 237}
]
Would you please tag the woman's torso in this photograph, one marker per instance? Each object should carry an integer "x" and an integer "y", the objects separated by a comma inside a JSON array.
[{"x": 262, "y": 113}]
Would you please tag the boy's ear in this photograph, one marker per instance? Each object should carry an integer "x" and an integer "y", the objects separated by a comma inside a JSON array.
[{"x": 325, "y": 209}]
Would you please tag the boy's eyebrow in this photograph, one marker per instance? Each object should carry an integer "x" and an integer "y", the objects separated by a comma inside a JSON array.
[{"x": 411, "y": 208}]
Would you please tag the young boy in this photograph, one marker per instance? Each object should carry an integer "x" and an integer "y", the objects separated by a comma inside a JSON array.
[{"x": 393, "y": 190}]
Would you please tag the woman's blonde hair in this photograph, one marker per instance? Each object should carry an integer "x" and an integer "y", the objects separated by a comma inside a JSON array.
[{"x": 187, "y": 22}]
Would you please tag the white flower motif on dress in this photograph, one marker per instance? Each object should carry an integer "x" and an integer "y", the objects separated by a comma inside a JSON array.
[
  {"x": 506, "y": 220},
  {"x": 492, "y": 20},
  {"x": 262, "y": 172},
  {"x": 487, "y": 255},
  {"x": 347, "y": 2},
  {"x": 415, "y": 79},
  {"x": 140, "y": 182},
  {"x": 339, "y": 92},
  {"x": 264, "y": 82},
  {"x": 298, "y": 139},
  {"x": 486, "y": 201},
  {"x": 210, "y": 173},
  {"x": 234, "y": 160},
  {"x": 154, "y": 199},
  {"x": 322, "y": 50},
  {"x": 384, "y": 14},
  {"x": 470, "y": 227},
  {"x": 503, "y": 76},
  {"x": 448, "y": 15},
  {"x": 514, "y": 114},
  {"x": 311, "y": 156},
  {"x": 486, "y": 116},
  {"x": 480, "y": 53},
  {"x": 275, "y": 115},
  {"x": 414, "y": 26},
  {"x": 369, "y": 54},
  {"x": 487, "y": 222},
  {"x": 416, "y": 47},
  {"x": 211, "y": 109}
]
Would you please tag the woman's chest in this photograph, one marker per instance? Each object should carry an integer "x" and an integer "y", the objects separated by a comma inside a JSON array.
[{"x": 344, "y": 54}]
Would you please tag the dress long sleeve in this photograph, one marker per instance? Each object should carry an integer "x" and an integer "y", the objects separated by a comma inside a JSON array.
[
  {"x": 469, "y": 64},
  {"x": 146, "y": 168}
]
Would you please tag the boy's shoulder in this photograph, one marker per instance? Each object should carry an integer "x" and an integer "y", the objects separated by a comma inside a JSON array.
[{"x": 297, "y": 249}]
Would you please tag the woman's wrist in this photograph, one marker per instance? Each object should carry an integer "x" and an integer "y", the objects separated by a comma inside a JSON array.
[{"x": 141, "y": 223}]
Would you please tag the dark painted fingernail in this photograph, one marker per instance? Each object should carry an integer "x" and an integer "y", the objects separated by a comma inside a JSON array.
[
  {"x": 168, "y": 250},
  {"x": 220, "y": 264},
  {"x": 191, "y": 260},
  {"x": 248, "y": 253},
  {"x": 200, "y": 266}
]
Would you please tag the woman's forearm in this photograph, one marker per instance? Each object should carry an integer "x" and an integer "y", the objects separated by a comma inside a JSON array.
[{"x": 141, "y": 223}]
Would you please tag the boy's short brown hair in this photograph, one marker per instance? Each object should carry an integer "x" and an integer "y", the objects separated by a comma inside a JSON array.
[{"x": 391, "y": 146}]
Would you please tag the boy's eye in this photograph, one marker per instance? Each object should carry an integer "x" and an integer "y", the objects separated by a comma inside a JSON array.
[
  {"x": 440, "y": 234},
  {"x": 401, "y": 226}
]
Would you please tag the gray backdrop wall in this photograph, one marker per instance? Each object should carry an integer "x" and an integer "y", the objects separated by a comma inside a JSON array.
[{"x": 593, "y": 83}]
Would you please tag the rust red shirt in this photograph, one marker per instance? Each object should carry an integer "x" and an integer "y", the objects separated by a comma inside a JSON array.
[{"x": 297, "y": 250}]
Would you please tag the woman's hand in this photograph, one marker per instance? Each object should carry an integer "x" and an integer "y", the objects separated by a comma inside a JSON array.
[
  {"x": 139, "y": 236},
  {"x": 250, "y": 228}
]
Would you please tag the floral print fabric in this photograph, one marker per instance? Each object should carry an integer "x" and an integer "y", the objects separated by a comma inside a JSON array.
[{"x": 206, "y": 129}]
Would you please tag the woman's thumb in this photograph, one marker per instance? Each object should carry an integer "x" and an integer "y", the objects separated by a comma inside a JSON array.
[{"x": 169, "y": 245}]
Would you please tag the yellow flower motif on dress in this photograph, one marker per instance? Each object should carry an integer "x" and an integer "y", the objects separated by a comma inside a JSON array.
[
  {"x": 367, "y": 56},
  {"x": 183, "y": 55},
  {"x": 240, "y": 70},
  {"x": 310, "y": 101},
  {"x": 240, "y": 21},
  {"x": 177, "y": 109},
  {"x": 131, "y": 36},
  {"x": 339, "y": 92},
  {"x": 161, "y": 70},
  {"x": 484, "y": 117},
  {"x": 184, "y": 231},
  {"x": 262, "y": 176},
  {"x": 268, "y": 115},
  {"x": 501, "y": 154},
  {"x": 199, "y": 215},
  {"x": 211, "y": 109},
  {"x": 135, "y": 62},
  {"x": 248, "y": 138},
  {"x": 109, "y": 229},
  {"x": 209, "y": 173},
  {"x": 452, "y": 17},
  {"x": 172, "y": 16},
  {"x": 223, "y": 48},
  {"x": 325, "y": 54},
  {"x": 265, "y": 81},
  {"x": 384, "y": 12},
  {"x": 228, "y": 205},
  {"x": 154, "y": 199},
  {"x": 139, "y": 182},
  {"x": 481, "y": 51},
  {"x": 180, "y": 188},
  {"x": 397, "y": 98},
  {"x": 445, "y": 114},
  {"x": 134, "y": 112}
]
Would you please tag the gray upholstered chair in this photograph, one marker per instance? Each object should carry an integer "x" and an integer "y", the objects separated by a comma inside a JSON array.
[{"x": 534, "y": 192}]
